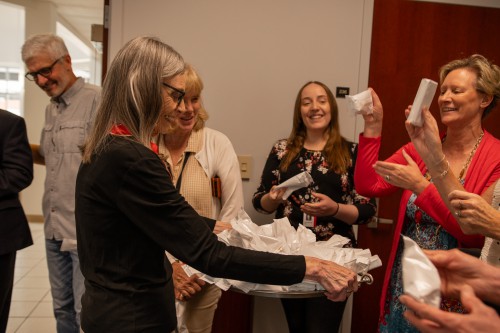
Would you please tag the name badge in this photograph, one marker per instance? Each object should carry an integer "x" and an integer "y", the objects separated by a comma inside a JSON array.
[{"x": 309, "y": 221}]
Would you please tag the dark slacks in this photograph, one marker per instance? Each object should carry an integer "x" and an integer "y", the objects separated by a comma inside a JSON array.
[
  {"x": 7, "y": 264},
  {"x": 313, "y": 315}
]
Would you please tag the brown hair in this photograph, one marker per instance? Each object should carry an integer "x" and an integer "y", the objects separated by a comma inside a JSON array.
[{"x": 336, "y": 149}]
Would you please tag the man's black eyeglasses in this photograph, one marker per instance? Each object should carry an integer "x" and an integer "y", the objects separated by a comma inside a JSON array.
[
  {"x": 177, "y": 95},
  {"x": 45, "y": 72}
]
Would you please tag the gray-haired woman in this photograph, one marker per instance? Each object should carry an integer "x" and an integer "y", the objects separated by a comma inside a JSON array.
[{"x": 128, "y": 212}]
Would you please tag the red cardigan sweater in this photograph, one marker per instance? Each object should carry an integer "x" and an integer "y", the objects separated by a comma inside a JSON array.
[{"x": 483, "y": 171}]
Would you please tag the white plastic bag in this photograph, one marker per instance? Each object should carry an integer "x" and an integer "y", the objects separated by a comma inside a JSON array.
[{"x": 420, "y": 276}]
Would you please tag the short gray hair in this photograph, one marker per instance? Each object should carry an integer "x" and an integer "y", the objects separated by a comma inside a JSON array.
[{"x": 49, "y": 44}]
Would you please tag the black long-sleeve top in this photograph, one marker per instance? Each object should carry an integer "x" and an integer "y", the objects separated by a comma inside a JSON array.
[
  {"x": 339, "y": 187},
  {"x": 127, "y": 214}
]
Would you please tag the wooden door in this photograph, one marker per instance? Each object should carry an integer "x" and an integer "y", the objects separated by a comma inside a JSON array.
[
  {"x": 411, "y": 40},
  {"x": 234, "y": 313}
]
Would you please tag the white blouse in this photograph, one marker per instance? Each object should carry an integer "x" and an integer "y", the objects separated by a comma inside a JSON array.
[{"x": 491, "y": 249}]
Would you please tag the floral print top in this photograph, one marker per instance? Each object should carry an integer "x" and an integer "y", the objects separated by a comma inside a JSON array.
[{"x": 339, "y": 187}]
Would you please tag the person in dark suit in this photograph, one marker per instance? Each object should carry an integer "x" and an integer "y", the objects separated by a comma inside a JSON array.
[{"x": 16, "y": 173}]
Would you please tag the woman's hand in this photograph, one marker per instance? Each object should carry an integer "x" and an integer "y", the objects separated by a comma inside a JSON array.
[
  {"x": 338, "y": 281},
  {"x": 457, "y": 269},
  {"x": 407, "y": 176},
  {"x": 427, "y": 319},
  {"x": 474, "y": 214},
  {"x": 270, "y": 201},
  {"x": 184, "y": 286},
  {"x": 276, "y": 194},
  {"x": 373, "y": 122},
  {"x": 324, "y": 206},
  {"x": 222, "y": 226},
  {"x": 426, "y": 138}
]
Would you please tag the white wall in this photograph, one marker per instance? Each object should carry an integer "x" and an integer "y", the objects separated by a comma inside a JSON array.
[
  {"x": 40, "y": 17},
  {"x": 253, "y": 57}
]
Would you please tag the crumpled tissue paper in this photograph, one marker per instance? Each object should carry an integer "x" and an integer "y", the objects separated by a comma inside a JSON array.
[
  {"x": 303, "y": 179},
  {"x": 361, "y": 103},
  {"x": 281, "y": 237},
  {"x": 420, "y": 277}
]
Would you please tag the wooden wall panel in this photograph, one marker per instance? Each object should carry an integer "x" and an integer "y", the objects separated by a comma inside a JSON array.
[{"x": 411, "y": 40}]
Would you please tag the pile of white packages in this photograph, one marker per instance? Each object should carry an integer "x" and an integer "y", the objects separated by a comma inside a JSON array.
[{"x": 281, "y": 237}]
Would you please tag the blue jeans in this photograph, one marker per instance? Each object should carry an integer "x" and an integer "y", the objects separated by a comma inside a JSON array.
[{"x": 66, "y": 285}]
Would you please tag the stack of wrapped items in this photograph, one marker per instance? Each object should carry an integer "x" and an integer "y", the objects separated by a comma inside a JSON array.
[{"x": 281, "y": 237}]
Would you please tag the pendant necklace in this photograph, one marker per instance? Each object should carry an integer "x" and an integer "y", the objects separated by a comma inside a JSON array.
[{"x": 418, "y": 213}]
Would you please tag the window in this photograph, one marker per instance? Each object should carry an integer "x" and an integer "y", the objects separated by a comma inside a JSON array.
[
  {"x": 85, "y": 60},
  {"x": 11, "y": 66}
]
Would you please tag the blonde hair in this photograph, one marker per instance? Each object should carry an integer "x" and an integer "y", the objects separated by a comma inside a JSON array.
[
  {"x": 336, "y": 149},
  {"x": 488, "y": 76},
  {"x": 194, "y": 86}
]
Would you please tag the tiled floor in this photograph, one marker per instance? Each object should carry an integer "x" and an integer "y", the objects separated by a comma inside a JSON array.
[{"x": 31, "y": 307}]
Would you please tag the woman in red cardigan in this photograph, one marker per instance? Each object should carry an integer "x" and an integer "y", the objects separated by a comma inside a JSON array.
[{"x": 466, "y": 96}]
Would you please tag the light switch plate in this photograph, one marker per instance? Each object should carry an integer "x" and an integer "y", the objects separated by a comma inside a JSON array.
[{"x": 245, "y": 166}]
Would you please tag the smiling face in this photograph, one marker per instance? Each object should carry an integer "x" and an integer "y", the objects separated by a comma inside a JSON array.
[
  {"x": 171, "y": 108},
  {"x": 61, "y": 76},
  {"x": 186, "y": 120},
  {"x": 315, "y": 108},
  {"x": 459, "y": 101}
]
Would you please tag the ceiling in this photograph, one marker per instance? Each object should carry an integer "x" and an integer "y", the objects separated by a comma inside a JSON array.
[{"x": 81, "y": 14}]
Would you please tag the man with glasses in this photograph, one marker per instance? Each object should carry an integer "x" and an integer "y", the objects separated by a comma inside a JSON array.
[{"x": 68, "y": 119}]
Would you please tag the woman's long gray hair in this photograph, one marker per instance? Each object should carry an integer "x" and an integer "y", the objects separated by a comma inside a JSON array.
[{"x": 132, "y": 91}]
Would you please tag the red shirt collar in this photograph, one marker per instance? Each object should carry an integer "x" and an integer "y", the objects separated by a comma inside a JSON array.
[{"x": 122, "y": 130}]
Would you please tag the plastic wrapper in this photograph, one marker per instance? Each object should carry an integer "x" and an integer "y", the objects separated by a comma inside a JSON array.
[{"x": 420, "y": 276}]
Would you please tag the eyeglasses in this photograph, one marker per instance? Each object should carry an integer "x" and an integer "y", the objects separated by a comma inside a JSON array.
[
  {"x": 45, "y": 72},
  {"x": 177, "y": 95}
]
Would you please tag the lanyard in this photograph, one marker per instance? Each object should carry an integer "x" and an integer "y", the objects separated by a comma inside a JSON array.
[{"x": 179, "y": 180}]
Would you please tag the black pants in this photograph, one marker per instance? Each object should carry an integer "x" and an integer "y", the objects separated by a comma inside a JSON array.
[
  {"x": 7, "y": 264},
  {"x": 313, "y": 315}
]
